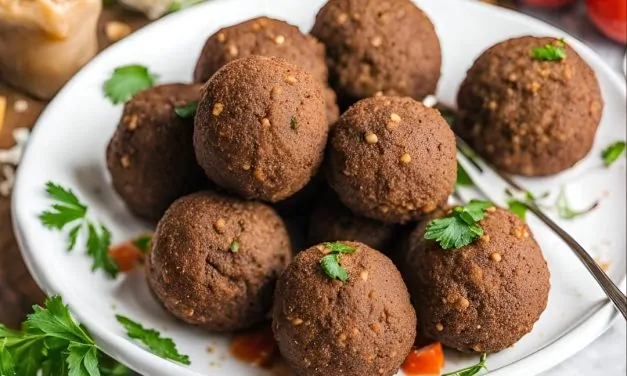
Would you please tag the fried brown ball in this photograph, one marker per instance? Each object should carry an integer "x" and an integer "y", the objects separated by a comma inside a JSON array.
[
  {"x": 527, "y": 116},
  {"x": 391, "y": 159},
  {"x": 482, "y": 297},
  {"x": 388, "y": 46},
  {"x": 331, "y": 220},
  {"x": 266, "y": 37},
  {"x": 215, "y": 260},
  {"x": 261, "y": 128},
  {"x": 364, "y": 326},
  {"x": 150, "y": 156}
]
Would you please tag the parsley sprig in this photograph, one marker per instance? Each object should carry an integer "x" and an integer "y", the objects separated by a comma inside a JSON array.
[
  {"x": 51, "y": 343},
  {"x": 550, "y": 52},
  {"x": 187, "y": 111},
  {"x": 330, "y": 263},
  {"x": 472, "y": 370},
  {"x": 460, "y": 227},
  {"x": 126, "y": 81},
  {"x": 463, "y": 179},
  {"x": 612, "y": 152},
  {"x": 69, "y": 210},
  {"x": 163, "y": 347}
]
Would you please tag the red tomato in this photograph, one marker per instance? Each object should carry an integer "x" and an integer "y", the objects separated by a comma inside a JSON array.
[
  {"x": 425, "y": 361},
  {"x": 126, "y": 255},
  {"x": 609, "y": 16},
  {"x": 547, "y": 3}
]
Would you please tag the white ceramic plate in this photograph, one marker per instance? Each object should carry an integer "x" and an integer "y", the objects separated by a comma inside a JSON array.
[{"x": 68, "y": 147}]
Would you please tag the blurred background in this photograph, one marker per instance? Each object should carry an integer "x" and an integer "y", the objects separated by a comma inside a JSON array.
[{"x": 25, "y": 89}]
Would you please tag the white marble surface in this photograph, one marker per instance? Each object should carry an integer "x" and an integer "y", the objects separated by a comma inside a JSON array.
[{"x": 605, "y": 356}]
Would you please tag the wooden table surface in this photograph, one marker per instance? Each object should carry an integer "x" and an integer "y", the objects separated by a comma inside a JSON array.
[{"x": 18, "y": 291}]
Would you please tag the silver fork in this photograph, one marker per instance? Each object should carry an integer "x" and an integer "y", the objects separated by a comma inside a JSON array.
[{"x": 479, "y": 166}]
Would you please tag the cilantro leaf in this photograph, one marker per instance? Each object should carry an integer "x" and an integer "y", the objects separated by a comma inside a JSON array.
[
  {"x": 187, "y": 111},
  {"x": 234, "y": 247},
  {"x": 142, "y": 242},
  {"x": 126, "y": 81},
  {"x": 550, "y": 52},
  {"x": 463, "y": 179},
  {"x": 177, "y": 5},
  {"x": 55, "y": 321},
  {"x": 82, "y": 360},
  {"x": 7, "y": 366},
  {"x": 612, "y": 152},
  {"x": 331, "y": 266},
  {"x": 163, "y": 347},
  {"x": 73, "y": 236},
  {"x": 460, "y": 227},
  {"x": 472, "y": 370},
  {"x": 67, "y": 209},
  {"x": 110, "y": 367},
  {"x": 98, "y": 242},
  {"x": 339, "y": 247},
  {"x": 517, "y": 207},
  {"x": 565, "y": 211}
]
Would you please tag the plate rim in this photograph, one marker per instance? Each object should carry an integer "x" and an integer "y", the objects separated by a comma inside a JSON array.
[{"x": 141, "y": 360}]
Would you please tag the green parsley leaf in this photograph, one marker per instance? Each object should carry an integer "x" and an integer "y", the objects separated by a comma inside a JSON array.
[
  {"x": 293, "y": 123},
  {"x": 126, "y": 81},
  {"x": 331, "y": 266},
  {"x": 67, "y": 209},
  {"x": 98, "y": 243},
  {"x": 163, "y": 347},
  {"x": 51, "y": 343},
  {"x": 565, "y": 211},
  {"x": 517, "y": 207},
  {"x": 82, "y": 360},
  {"x": 234, "y": 247},
  {"x": 7, "y": 366},
  {"x": 550, "y": 52},
  {"x": 459, "y": 228},
  {"x": 110, "y": 367},
  {"x": 613, "y": 152},
  {"x": 142, "y": 242},
  {"x": 73, "y": 236},
  {"x": 339, "y": 247},
  {"x": 463, "y": 179},
  {"x": 472, "y": 370},
  {"x": 187, "y": 111},
  {"x": 177, "y": 5}
]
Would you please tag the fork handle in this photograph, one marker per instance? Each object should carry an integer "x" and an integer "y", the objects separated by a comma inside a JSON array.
[{"x": 613, "y": 292}]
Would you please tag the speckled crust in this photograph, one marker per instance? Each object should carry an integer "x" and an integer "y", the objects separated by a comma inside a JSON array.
[
  {"x": 266, "y": 37},
  {"x": 485, "y": 296},
  {"x": 198, "y": 278},
  {"x": 150, "y": 156},
  {"x": 261, "y": 128},
  {"x": 391, "y": 159},
  {"x": 331, "y": 220},
  {"x": 365, "y": 326},
  {"x": 389, "y": 46},
  {"x": 526, "y": 116}
]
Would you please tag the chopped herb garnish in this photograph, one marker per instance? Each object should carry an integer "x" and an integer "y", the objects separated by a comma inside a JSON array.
[
  {"x": 142, "y": 242},
  {"x": 613, "y": 152},
  {"x": 51, "y": 343},
  {"x": 187, "y": 111},
  {"x": 177, "y": 5},
  {"x": 330, "y": 263},
  {"x": 234, "y": 247},
  {"x": 460, "y": 227},
  {"x": 550, "y": 52},
  {"x": 463, "y": 179},
  {"x": 126, "y": 81},
  {"x": 163, "y": 347},
  {"x": 565, "y": 211},
  {"x": 472, "y": 370},
  {"x": 293, "y": 123},
  {"x": 517, "y": 207},
  {"x": 68, "y": 209}
]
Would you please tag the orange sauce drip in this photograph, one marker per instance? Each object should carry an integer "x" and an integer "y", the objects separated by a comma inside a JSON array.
[{"x": 256, "y": 347}]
